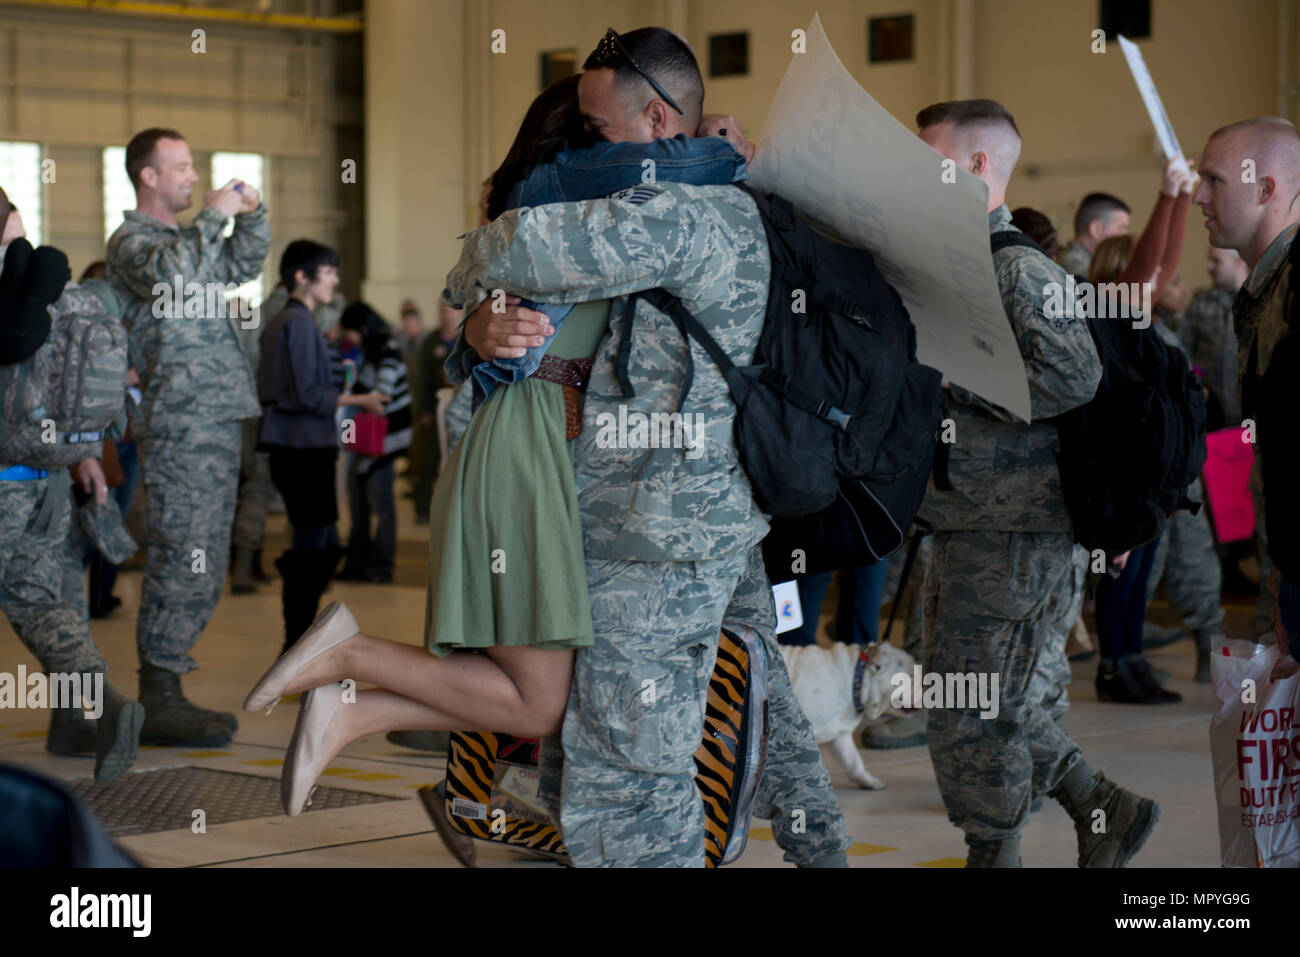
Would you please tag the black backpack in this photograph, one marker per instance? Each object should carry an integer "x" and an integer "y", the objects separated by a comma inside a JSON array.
[
  {"x": 835, "y": 419},
  {"x": 1129, "y": 456}
]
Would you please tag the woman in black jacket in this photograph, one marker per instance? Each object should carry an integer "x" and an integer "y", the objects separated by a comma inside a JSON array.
[{"x": 299, "y": 402}]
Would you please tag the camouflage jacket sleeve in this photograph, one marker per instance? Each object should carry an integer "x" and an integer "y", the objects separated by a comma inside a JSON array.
[
  {"x": 1060, "y": 357},
  {"x": 639, "y": 238},
  {"x": 200, "y": 254}
]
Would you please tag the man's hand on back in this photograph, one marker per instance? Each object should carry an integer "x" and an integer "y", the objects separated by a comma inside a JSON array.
[
  {"x": 717, "y": 124},
  {"x": 505, "y": 335}
]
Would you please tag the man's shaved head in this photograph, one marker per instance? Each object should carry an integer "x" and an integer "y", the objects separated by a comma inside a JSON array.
[
  {"x": 980, "y": 136},
  {"x": 1250, "y": 184}
]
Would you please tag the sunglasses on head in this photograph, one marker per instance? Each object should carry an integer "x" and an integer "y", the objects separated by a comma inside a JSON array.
[{"x": 610, "y": 52}]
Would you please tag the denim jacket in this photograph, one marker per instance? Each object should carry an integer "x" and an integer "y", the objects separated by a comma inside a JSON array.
[{"x": 592, "y": 174}]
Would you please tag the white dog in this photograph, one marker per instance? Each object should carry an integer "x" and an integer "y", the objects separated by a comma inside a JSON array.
[{"x": 822, "y": 679}]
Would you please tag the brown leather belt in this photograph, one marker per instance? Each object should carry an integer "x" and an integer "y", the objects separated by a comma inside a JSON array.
[{"x": 571, "y": 375}]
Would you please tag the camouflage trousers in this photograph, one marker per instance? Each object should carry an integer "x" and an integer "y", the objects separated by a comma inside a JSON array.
[
  {"x": 73, "y": 566},
  {"x": 1189, "y": 564},
  {"x": 1051, "y": 681},
  {"x": 192, "y": 478},
  {"x": 256, "y": 491},
  {"x": 992, "y": 603},
  {"x": 32, "y": 564},
  {"x": 627, "y": 794}
]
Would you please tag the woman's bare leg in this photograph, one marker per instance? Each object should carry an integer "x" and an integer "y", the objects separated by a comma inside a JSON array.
[{"x": 519, "y": 691}]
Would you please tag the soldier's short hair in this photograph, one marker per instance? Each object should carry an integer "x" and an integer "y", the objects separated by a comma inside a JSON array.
[
  {"x": 667, "y": 58},
  {"x": 142, "y": 151},
  {"x": 967, "y": 113},
  {"x": 307, "y": 255},
  {"x": 1097, "y": 206}
]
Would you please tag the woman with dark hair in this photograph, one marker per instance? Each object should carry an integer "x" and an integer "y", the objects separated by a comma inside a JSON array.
[
  {"x": 507, "y": 601},
  {"x": 1037, "y": 227}
]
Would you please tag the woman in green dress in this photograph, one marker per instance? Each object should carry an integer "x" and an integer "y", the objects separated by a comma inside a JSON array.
[{"x": 507, "y": 602}]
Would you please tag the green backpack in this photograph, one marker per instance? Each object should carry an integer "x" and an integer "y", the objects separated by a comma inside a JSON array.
[{"x": 58, "y": 406}]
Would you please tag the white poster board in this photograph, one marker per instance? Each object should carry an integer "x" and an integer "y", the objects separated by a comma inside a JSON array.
[
  {"x": 1151, "y": 98},
  {"x": 847, "y": 164}
]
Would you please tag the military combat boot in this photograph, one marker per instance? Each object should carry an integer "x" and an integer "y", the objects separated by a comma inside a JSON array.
[
  {"x": 1004, "y": 853},
  {"x": 113, "y": 739},
  {"x": 117, "y": 735},
  {"x": 1112, "y": 837},
  {"x": 71, "y": 733},
  {"x": 172, "y": 720}
]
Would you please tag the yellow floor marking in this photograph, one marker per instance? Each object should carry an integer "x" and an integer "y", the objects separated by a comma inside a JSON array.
[
  {"x": 265, "y": 762},
  {"x": 761, "y": 833},
  {"x": 342, "y": 771},
  {"x": 858, "y": 849},
  {"x": 374, "y": 776},
  {"x": 28, "y": 734},
  {"x": 205, "y": 754},
  {"x": 943, "y": 862}
]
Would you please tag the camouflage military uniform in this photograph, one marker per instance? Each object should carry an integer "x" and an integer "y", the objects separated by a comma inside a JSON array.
[
  {"x": 1001, "y": 582},
  {"x": 32, "y": 562},
  {"x": 1206, "y": 334},
  {"x": 196, "y": 387},
  {"x": 35, "y": 523},
  {"x": 1050, "y": 683},
  {"x": 1259, "y": 317},
  {"x": 670, "y": 541},
  {"x": 1075, "y": 259}
]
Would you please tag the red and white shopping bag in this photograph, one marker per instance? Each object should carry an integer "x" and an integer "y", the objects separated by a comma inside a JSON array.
[{"x": 1255, "y": 743}]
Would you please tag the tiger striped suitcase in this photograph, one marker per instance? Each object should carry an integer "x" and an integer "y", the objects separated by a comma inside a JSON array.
[{"x": 492, "y": 779}]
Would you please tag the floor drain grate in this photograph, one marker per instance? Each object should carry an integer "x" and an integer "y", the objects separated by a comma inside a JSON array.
[{"x": 145, "y": 802}]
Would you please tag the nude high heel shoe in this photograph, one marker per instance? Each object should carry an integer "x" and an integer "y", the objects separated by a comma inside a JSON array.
[
  {"x": 307, "y": 756},
  {"x": 333, "y": 626}
]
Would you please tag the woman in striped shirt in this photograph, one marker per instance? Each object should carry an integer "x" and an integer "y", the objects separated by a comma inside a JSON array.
[{"x": 370, "y": 478}]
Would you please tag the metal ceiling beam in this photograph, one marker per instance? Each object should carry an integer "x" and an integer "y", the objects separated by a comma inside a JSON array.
[{"x": 178, "y": 11}]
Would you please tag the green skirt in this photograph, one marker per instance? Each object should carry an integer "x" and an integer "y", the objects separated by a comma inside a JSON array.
[{"x": 506, "y": 562}]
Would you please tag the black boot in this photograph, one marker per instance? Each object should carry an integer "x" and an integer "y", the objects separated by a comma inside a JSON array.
[
  {"x": 113, "y": 738},
  {"x": 1142, "y": 673},
  {"x": 1116, "y": 682},
  {"x": 118, "y": 734},
  {"x": 1111, "y": 838},
  {"x": 71, "y": 733},
  {"x": 171, "y": 720},
  {"x": 1005, "y": 853}
]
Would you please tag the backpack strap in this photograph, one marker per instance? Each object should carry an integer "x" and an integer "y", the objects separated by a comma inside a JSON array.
[
  {"x": 1012, "y": 237},
  {"x": 690, "y": 328}
]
